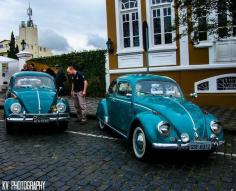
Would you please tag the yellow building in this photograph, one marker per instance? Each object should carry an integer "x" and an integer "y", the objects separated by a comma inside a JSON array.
[
  {"x": 208, "y": 68},
  {"x": 28, "y": 32}
]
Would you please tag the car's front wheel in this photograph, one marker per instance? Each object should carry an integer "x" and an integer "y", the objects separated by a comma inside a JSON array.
[{"x": 141, "y": 145}]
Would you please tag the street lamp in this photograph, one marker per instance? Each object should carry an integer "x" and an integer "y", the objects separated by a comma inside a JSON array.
[{"x": 110, "y": 46}]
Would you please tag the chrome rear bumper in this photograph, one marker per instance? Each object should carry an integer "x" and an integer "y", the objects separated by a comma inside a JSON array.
[
  {"x": 36, "y": 118},
  {"x": 182, "y": 146}
]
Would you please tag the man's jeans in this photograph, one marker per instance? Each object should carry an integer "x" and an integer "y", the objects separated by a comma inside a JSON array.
[{"x": 80, "y": 105}]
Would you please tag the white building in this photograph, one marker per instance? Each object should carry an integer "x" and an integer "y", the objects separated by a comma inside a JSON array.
[{"x": 8, "y": 67}]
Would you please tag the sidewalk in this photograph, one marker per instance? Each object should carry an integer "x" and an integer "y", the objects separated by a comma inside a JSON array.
[{"x": 92, "y": 104}]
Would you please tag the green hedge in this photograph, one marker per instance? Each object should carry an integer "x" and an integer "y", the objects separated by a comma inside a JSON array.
[{"x": 90, "y": 63}]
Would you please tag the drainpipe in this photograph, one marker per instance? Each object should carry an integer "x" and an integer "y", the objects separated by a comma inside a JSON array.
[{"x": 146, "y": 42}]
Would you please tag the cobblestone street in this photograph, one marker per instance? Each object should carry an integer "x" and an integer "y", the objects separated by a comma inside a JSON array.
[{"x": 85, "y": 158}]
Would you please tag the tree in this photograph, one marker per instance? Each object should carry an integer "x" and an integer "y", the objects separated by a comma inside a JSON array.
[
  {"x": 11, "y": 53},
  {"x": 16, "y": 49},
  {"x": 202, "y": 18}
]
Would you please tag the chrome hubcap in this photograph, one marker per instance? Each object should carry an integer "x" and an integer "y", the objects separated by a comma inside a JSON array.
[{"x": 139, "y": 142}]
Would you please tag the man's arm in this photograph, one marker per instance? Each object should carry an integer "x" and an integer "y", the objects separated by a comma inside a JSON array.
[{"x": 85, "y": 87}]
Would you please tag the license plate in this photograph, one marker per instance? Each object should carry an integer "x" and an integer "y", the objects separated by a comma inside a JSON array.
[
  {"x": 200, "y": 146},
  {"x": 40, "y": 120}
]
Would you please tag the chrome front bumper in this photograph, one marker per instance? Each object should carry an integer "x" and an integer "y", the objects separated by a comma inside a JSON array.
[
  {"x": 182, "y": 146},
  {"x": 33, "y": 118}
]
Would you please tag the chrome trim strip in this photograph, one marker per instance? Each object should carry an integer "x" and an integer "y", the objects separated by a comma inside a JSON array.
[
  {"x": 39, "y": 103},
  {"x": 31, "y": 119},
  {"x": 118, "y": 99},
  {"x": 143, "y": 106},
  {"x": 123, "y": 135},
  {"x": 41, "y": 114},
  {"x": 181, "y": 146},
  {"x": 164, "y": 146},
  {"x": 191, "y": 118}
]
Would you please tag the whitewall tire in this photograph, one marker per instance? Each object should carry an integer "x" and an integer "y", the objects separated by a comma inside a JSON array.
[{"x": 140, "y": 144}]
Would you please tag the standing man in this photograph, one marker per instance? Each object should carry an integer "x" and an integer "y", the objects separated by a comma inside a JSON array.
[
  {"x": 78, "y": 92},
  {"x": 60, "y": 79}
]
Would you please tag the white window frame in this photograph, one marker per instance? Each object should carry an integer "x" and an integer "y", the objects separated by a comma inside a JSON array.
[
  {"x": 150, "y": 7},
  {"x": 119, "y": 29},
  {"x": 213, "y": 84}
]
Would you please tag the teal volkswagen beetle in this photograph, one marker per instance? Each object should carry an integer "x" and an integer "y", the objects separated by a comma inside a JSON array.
[
  {"x": 152, "y": 112},
  {"x": 32, "y": 98}
]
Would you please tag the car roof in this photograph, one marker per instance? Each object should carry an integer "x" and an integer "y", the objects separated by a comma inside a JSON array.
[
  {"x": 30, "y": 73},
  {"x": 137, "y": 77}
]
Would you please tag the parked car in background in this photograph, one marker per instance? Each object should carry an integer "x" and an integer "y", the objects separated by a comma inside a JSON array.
[
  {"x": 32, "y": 99},
  {"x": 152, "y": 113}
]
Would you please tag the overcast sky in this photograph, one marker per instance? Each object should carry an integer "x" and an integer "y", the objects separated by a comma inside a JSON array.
[{"x": 64, "y": 25}]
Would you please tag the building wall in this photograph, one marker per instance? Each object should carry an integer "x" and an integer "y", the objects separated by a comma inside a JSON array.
[
  {"x": 186, "y": 80},
  {"x": 30, "y": 35},
  {"x": 193, "y": 63},
  {"x": 111, "y": 21}
]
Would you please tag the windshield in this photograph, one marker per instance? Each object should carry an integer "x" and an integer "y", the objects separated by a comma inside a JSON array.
[
  {"x": 157, "y": 88},
  {"x": 34, "y": 82}
]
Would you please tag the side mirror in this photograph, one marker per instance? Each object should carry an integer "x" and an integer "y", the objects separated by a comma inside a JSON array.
[
  {"x": 194, "y": 95},
  {"x": 128, "y": 95}
]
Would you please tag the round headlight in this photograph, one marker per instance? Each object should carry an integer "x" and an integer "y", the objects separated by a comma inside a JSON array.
[
  {"x": 61, "y": 107},
  {"x": 184, "y": 137},
  {"x": 15, "y": 108},
  {"x": 216, "y": 127},
  {"x": 163, "y": 128}
]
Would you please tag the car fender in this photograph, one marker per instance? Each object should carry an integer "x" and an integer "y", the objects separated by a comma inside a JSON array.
[
  {"x": 102, "y": 110},
  {"x": 7, "y": 104},
  {"x": 149, "y": 122},
  {"x": 209, "y": 117}
]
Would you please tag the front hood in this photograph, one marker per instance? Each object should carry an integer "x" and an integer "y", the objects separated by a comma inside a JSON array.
[
  {"x": 36, "y": 100},
  {"x": 185, "y": 116}
]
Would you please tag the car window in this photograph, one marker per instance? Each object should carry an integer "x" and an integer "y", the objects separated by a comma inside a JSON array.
[
  {"x": 157, "y": 88},
  {"x": 112, "y": 88},
  {"x": 124, "y": 88},
  {"x": 34, "y": 82}
]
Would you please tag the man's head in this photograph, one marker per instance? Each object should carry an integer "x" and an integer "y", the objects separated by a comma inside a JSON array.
[
  {"x": 31, "y": 66},
  {"x": 71, "y": 70}
]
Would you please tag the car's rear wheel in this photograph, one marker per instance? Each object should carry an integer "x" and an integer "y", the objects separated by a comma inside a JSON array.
[
  {"x": 63, "y": 126},
  {"x": 140, "y": 143},
  {"x": 102, "y": 125}
]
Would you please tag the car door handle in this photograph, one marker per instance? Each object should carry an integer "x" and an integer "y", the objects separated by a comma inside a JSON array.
[{"x": 113, "y": 100}]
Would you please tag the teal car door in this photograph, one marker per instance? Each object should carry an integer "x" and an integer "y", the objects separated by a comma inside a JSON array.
[
  {"x": 111, "y": 102},
  {"x": 122, "y": 107}
]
